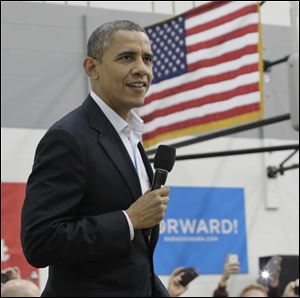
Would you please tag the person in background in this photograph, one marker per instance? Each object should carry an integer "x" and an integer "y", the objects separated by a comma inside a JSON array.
[
  {"x": 254, "y": 290},
  {"x": 289, "y": 290},
  {"x": 10, "y": 273},
  {"x": 269, "y": 277},
  {"x": 175, "y": 288},
  {"x": 271, "y": 289},
  {"x": 229, "y": 268},
  {"x": 15, "y": 286},
  {"x": 20, "y": 288}
]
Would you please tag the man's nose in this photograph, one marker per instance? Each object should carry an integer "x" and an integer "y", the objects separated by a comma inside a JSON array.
[{"x": 141, "y": 68}]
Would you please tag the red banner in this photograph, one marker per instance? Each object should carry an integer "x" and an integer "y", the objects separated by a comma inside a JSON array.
[{"x": 12, "y": 197}]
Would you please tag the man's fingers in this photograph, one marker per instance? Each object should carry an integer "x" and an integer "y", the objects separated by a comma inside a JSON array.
[
  {"x": 165, "y": 200},
  {"x": 163, "y": 191}
]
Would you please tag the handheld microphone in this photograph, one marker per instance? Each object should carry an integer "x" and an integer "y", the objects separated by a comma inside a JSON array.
[{"x": 163, "y": 163}]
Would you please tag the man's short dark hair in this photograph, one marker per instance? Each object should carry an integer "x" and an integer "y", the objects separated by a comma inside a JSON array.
[{"x": 101, "y": 37}]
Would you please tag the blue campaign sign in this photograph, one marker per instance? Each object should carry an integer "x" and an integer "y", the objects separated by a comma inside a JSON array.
[{"x": 201, "y": 227}]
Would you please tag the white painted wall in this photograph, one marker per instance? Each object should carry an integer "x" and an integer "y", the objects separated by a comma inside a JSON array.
[
  {"x": 17, "y": 152},
  {"x": 273, "y": 12}
]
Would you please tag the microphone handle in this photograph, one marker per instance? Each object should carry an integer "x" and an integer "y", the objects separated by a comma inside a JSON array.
[{"x": 160, "y": 179}]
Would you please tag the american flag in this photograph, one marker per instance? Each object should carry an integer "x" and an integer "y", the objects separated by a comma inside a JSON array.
[{"x": 207, "y": 71}]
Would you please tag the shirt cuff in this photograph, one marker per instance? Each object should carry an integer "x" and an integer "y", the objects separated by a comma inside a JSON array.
[{"x": 131, "y": 230}]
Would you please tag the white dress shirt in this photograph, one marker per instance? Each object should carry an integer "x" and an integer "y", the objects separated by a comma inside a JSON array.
[{"x": 131, "y": 134}]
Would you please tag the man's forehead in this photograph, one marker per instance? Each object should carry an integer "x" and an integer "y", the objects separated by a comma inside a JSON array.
[
  {"x": 130, "y": 41},
  {"x": 130, "y": 36}
]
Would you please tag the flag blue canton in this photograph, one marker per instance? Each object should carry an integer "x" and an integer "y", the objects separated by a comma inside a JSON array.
[{"x": 168, "y": 47}]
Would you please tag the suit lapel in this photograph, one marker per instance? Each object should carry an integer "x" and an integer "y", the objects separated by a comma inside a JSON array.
[
  {"x": 118, "y": 154},
  {"x": 111, "y": 142}
]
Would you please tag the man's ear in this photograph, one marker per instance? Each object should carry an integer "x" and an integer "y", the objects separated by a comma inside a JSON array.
[{"x": 90, "y": 67}]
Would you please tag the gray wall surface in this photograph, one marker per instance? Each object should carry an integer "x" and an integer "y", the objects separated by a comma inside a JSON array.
[
  {"x": 42, "y": 78},
  {"x": 42, "y": 49}
]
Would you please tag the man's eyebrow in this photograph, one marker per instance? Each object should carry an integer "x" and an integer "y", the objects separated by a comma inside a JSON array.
[
  {"x": 133, "y": 53},
  {"x": 126, "y": 53},
  {"x": 149, "y": 55}
]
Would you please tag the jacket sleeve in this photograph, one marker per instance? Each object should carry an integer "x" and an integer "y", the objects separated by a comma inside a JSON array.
[
  {"x": 53, "y": 230},
  {"x": 159, "y": 288}
]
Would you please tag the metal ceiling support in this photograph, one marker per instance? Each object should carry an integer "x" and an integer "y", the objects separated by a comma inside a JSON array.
[
  {"x": 227, "y": 132},
  {"x": 237, "y": 152},
  {"x": 273, "y": 171}
]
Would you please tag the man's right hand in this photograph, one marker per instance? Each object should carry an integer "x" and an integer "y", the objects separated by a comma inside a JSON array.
[{"x": 149, "y": 209}]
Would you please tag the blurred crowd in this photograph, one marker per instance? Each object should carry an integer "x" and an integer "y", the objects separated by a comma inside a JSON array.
[
  {"x": 13, "y": 285},
  {"x": 267, "y": 284}
]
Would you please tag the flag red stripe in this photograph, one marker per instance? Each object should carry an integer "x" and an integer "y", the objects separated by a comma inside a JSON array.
[
  {"x": 202, "y": 120},
  {"x": 202, "y": 82},
  {"x": 222, "y": 20},
  {"x": 221, "y": 39},
  {"x": 217, "y": 97},
  {"x": 250, "y": 49},
  {"x": 204, "y": 8}
]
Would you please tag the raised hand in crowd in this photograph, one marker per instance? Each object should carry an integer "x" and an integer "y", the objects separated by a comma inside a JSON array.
[
  {"x": 270, "y": 276},
  {"x": 230, "y": 267},
  {"x": 175, "y": 288},
  {"x": 290, "y": 289}
]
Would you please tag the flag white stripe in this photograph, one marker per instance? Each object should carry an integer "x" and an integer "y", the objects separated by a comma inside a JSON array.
[
  {"x": 203, "y": 111},
  {"x": 217, "y": 13},
  {"x": 222, "y": 29},
  {"x": 204, "y": 72},
  {"x": 199, "y": 92},
  {"x": 227, "y": 47}
]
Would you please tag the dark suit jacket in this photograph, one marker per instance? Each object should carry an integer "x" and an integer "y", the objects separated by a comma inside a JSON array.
[{"x": 72, "y": 221}]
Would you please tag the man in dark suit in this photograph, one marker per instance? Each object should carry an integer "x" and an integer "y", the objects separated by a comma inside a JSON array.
[{"x": 87, "y": 212}]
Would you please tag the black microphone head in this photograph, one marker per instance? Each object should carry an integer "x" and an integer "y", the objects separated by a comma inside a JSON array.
[{"x": 164, "y": 158}]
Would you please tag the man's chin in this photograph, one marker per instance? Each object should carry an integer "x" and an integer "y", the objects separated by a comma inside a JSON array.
[{"x": 139, "y": 102}]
